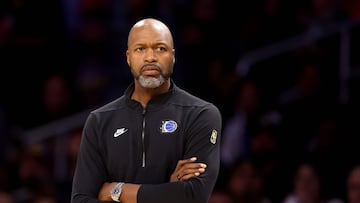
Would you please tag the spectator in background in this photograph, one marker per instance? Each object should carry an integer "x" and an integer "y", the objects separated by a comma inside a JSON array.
[
  {"x": 33, "y": 37},
  {"x": 6, "y": 197},
  {"x": 325, "y": 148},
  {"x": 322, "y": 14},
  {"x": 307, "y": 186},
  {"x": 92, "y": 83},
  {"x": 246, "y": 184},
  {"x": 353, "y": 185},
  {"x": 34, "y": 172},
  {"x": 58, "y": 98},
  {"x": 300, "y": 108},
  {"x": 307, "y": 85},
  {"x": 352, "y": 9},
  {"x": 92, "y": 53},
  {"x": 242, "y": 124},
  {"x": 65, "y": 169},
  {"x": 221, "y": 196},
  {"x": 220, "y": 83}
]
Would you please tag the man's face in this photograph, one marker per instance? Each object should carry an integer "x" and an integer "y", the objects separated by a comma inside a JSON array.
[{"x": 150, "y": 55}]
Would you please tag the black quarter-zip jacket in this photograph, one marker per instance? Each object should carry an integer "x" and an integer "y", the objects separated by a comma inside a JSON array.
[{"x": 124, "y": 142}]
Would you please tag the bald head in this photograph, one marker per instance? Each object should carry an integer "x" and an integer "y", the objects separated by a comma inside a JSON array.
[{"x": 153, "y": 26}]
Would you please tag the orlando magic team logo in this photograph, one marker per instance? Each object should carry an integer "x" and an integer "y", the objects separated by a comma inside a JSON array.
[{"x": 168, "y": 126}]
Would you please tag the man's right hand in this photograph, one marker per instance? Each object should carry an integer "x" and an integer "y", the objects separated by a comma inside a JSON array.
[{"x": 186, "y": 169}]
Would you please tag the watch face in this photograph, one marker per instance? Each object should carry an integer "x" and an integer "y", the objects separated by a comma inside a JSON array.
[{"x": 115, "y": 190}]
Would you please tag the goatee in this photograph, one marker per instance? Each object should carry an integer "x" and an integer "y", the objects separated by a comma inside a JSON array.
[{"x": 151, "y": 82}]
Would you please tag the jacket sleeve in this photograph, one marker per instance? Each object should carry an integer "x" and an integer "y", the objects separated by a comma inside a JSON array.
[
  {"x": 90, "y": 172},
  {"x": 202, "y": 141}
]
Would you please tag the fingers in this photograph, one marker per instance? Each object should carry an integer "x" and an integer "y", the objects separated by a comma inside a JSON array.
[
  {"x": 187, "y": 169},
  {"x": 185, "y": 161},
  {"x": 181, "y": 163},
  {"x": 191, "y": 170}
]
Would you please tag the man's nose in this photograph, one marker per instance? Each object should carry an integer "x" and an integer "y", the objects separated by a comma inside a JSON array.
[{"x": 150, "y": 55}]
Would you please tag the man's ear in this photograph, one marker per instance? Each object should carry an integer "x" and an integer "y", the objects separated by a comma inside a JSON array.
[{"x": 173, "y": 55}]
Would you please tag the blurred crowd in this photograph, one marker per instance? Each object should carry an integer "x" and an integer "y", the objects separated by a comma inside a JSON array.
[{"x": 287, "y": 137}]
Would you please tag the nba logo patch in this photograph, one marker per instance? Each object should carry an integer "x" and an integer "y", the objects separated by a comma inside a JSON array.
[
  {"x": 168, "y": 126},
  {"x": 213, "y": 136}
]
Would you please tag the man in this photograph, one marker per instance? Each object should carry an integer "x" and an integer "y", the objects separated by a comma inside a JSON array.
[{"x": 156, "y": 143}]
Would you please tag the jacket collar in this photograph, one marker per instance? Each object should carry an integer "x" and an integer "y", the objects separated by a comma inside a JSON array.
[{"x": 155, "y": 103}]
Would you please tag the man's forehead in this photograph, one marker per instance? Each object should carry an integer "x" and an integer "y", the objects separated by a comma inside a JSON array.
[{"x": 147, "y": 28}]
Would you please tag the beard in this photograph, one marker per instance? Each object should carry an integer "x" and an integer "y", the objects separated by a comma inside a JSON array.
[{"x": 153, "y": 82}]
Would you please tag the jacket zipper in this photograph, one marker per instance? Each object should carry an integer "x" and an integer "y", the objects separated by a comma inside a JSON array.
[{"x": 143, "y": 139}]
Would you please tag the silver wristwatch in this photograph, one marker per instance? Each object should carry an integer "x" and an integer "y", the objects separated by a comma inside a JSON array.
[{"x": 116, "y": 192}]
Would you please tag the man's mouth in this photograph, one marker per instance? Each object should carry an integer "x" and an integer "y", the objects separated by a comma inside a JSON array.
[{"x": 150, "y": 70}]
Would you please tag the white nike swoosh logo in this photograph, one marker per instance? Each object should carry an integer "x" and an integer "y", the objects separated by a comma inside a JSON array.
[{"x": 120, "y": 131}]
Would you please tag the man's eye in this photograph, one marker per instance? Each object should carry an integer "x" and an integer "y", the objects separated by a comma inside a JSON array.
[
  {"x": 161, "y": 49},
  {"x": 139, "y": 49}
]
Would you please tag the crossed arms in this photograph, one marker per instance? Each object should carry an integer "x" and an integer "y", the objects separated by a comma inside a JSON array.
[{"x": 185, "y": 169}]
